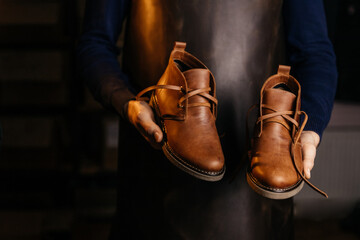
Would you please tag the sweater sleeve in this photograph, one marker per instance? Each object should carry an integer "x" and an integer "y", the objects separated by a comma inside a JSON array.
[
  {"x": 312, "y": 58},
  {"x": 97, "y": 52}
]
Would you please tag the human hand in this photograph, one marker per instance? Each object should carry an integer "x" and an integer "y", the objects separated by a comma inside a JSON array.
[
  {"x": 309, "y": 141},
  {"x": 141, "y": 115}
]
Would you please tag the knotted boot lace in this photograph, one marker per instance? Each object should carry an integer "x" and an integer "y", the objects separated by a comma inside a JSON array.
[{"x": 204, "y": 92}]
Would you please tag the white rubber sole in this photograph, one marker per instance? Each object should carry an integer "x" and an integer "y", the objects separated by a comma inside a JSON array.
[
  {"x": 193, "y": 171},
  {"x": 274, "y": 194}
]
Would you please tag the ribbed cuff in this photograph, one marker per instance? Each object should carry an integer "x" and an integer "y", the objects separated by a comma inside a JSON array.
[
  {"x": 315, "y": 124},
  {"x": 119, "y": 99}
]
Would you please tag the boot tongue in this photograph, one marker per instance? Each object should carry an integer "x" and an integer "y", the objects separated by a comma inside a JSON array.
[
  {"x": 278, "y": 99},
  {"x": 197, "y": 78}
]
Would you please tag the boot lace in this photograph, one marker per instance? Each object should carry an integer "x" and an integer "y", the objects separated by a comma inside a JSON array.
[
  {"x": 295, "y": 137},
  {"x": 182, "y": 103}
]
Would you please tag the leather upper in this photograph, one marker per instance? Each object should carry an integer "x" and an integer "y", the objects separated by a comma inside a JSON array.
[
  {"x": 271, "y": 160},
  {"x": 185, "y": 102},
  {"x": 194, "y": 138}
]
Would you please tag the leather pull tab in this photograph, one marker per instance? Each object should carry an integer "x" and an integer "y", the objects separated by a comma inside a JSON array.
[
  {"x": 180, "y": 46},
  {"x": 284, "y": 70}
]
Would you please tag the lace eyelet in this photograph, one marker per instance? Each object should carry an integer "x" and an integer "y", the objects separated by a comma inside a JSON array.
[{"x": 182, "y": 89}]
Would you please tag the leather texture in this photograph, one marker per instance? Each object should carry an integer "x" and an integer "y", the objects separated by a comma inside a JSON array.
[
  {"x": 276, "y": 163},
  {"x": 271, "y": 161},
  {"x": 185, "y": 103}
]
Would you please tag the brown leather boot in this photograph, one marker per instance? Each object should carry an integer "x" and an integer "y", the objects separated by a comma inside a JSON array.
[
  {"x": 185, "y": 105},
  {"x": 276, "y": 164}
]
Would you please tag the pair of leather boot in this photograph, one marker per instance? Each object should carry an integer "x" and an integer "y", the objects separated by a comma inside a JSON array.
[{"x": 184, "y": 101}]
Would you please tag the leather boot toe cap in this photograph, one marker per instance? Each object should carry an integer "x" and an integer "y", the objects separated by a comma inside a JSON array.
[{"x": 275, "y": 179}]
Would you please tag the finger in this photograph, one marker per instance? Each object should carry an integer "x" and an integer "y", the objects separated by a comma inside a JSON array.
[
  {"x": 309, "y": 154},
  {"x": 151, "y": 131},
  {"x": 142, "y": 117}
]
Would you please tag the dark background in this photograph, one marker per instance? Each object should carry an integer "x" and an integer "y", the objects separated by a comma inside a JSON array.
[{"x": 58, "y": 156}]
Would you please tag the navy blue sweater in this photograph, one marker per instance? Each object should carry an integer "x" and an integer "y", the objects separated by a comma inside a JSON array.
[{"x": 309, "y": 50}]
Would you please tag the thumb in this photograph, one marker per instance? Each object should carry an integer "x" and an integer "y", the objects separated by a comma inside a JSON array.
[
  {"x": 141, "y": 115},
  {"x": 151, "y": 132},
  {"x": 309, "y": 141},
  {"x": 309, "y": 153}
]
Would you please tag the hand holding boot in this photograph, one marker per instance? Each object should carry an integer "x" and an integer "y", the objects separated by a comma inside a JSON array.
[
  {"x": 141, "y": 115},
  {"x": 184, "y": 103},
  {"x": 309, "y": 142},
  {"x": 282, "y": 154}
]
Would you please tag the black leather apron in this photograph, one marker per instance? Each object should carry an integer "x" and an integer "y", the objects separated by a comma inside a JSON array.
[{"x": 240, "y": 41}]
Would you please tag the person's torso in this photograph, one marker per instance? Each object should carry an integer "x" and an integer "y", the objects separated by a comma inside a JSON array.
[{"x": 240, "y": 41}]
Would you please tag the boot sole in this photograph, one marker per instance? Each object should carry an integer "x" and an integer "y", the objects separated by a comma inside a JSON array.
[
  {"x": 178, "y": 161},
  {"x": 186, "y": 167},
  {"x": 279, "y": 194}
]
